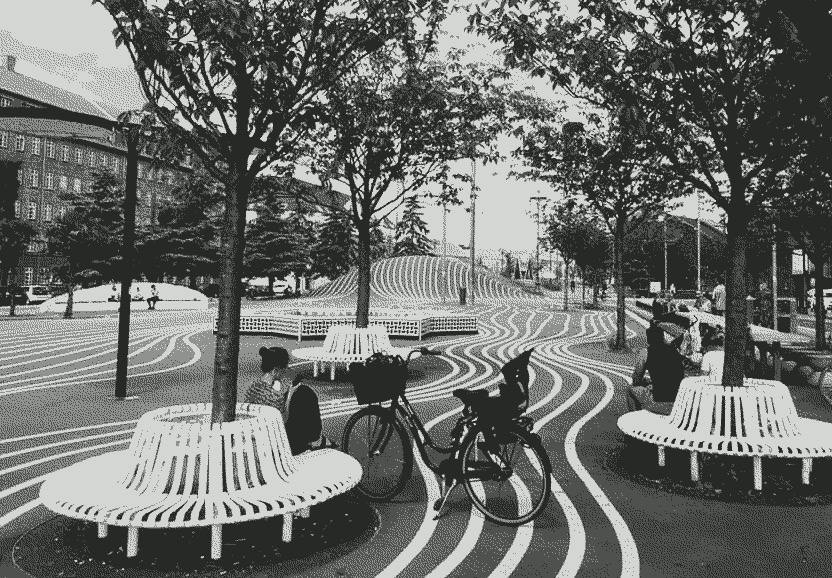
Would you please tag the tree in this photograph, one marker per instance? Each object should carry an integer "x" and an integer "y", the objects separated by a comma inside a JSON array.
[
  {"x": 696, "y": 77},
  {"x": 329, "y": 259},
  {"x": 411, "y": 231},
  {"x": 603, "y": 163},
  {"x": 87, "y": 235},
  {"x": 15, "y": 233},
  {"x": 184, "y": 243},
  {"x": 241, "y": 85},
  {"x": 399, "y": 120}
]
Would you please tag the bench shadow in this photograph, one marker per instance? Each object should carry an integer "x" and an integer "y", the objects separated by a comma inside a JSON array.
[
  {"x": 64, "y": 546},
  {"x": 722, "y": 478}
]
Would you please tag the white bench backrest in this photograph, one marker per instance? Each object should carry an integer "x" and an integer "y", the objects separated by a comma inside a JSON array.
[
  {"x": 755, "y": 411},
  {"x": 177, "y": 457}
]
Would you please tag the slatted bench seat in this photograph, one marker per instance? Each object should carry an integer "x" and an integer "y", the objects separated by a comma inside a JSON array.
[
  {"x": 181, "y": 471},
  {"x": 758, "y": 420},
  {"x": 346, "y": 344}
]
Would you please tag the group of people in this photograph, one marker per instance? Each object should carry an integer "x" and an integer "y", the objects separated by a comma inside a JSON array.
[
  {"x": 137, "y": 296},
  {"x": 713, "y": 303},
  {"x": 661, "y": 366}
]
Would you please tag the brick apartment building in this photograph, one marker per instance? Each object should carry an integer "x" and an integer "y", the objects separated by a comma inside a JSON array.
[{"x": 53, "y": 165}]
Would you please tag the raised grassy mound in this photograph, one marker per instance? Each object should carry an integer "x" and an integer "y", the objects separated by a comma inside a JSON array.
[{"x": 422, "y": 277}]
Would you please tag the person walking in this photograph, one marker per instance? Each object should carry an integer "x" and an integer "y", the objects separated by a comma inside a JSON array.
[{"x": 719, "y": 297}]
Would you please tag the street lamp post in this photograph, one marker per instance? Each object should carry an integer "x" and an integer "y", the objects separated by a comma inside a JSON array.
[
  {"x": 537, "y": 240},
  {"x": 473, "y": 218},
  {"x": 664, "y": 243},
  {"x": 698, "y": 241}
]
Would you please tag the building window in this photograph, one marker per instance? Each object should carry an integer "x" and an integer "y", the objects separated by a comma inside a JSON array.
[
  {"x": 50, "y": 181},
  {"x": 63, "y": 182},
  {"x": 79, "y": 156},
  {"x": 35, "y": 179},
  {"x": 102, "y": 160},
  {"x": 28, "y": 273},
  {"x": 20, "y": 143},
  {"x": 188, "y": 160},
  {"x": 62, "y": 211},
  {"x": 5, "y": 102},
  {"x": 32, "y": 212},
  {"x": 50, "y": 149},
  {"x": 33, "y": 247},
  {"x": 76, "y": 185},
  {"x": 47, "y": 212},
  {"x": 65, "y": 153},
  {"x": 4, "y": 139},
  {"x": 17, "y": 209},
  {"x": 36, "y": 145},
  {"x": 115, "y": 164},
  {"x": 91, "y": 158},
  {"x": 141, "y": 171}
]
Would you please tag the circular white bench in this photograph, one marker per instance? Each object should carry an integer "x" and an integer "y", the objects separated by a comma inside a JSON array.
[
  {"x": 181, "y": 471},
  {"x": 756, "y": 420},
  {"x": 347, "y": 344}
]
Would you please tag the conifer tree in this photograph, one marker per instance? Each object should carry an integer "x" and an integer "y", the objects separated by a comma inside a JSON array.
[
  {"x": 15, "y": 233},
  {"x": 333, "y": 250},
  {"x": 412, "y": 231}
]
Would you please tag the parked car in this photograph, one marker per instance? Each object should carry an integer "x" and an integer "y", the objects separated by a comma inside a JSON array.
[
  {"x": 827, "y": 298},
  {"x": 20, "y": 297},
  {"x": 37, "y": 293}
]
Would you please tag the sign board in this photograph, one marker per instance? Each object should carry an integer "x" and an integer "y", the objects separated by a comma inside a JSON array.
[{"x": 655, "y": 286}]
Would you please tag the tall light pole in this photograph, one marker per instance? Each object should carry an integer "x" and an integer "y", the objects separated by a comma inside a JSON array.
[
  {"x": 698, "y": 241},
  {"x": 537, "y": 239},
  {"x": 473, "y": 218},
  {"x": 664, "y": 243},
  {"x": 773, "y": 277}
]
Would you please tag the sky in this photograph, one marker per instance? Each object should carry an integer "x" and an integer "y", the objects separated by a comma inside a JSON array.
[{"x": 69, "y": 43}]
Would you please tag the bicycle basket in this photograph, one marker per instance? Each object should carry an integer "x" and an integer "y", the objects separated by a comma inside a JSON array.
[{"x": 380, "y": 378}]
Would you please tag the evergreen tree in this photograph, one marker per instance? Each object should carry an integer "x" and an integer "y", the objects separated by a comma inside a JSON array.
[
  {"x": 87, "y": 236},
  {"x": 185, "y": 242},
  {"x": 15, "y": 233},
  {"x": 332, "y": 252},
  {"x": 412, "y": 231}
]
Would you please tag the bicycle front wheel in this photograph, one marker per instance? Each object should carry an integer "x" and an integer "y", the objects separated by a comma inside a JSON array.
[
  {"x": 377, "y": 439},
  {"x": 507, "y": 474}
]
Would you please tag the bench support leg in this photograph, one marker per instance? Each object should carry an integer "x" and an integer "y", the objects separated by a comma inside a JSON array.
[
  {"x": 102, "y": 530},
  {"x": 287, "y": 527},
  {"x": 304, "y": 513},
  {"x": 332, "y": 371},
  {"x": 807, "y": 469},
  {"x": 758, "y": 473},
  {"x": 694, "y": 466},
  {"x": 216, "y": 541},
  {"x": 661, "y": 455},
  {"x": 132, "y": 542},
  {"x": 315, "y": 368}
]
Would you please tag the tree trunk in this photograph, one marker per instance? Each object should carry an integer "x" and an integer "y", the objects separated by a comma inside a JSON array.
[
  {"x": 226, "y": 359},
  {"x": 820, "y": 306},
  {"x": 12, "y": 286},
  {"x": 618, "y": 259},
  {"x": 70, "y": 291},
  {"x": 736, "y": 327},
  {"x": 192, "y": 281},
  {"x": 362, "y": 309},
  {"x": 271, "y": 284},
  {"x": 583, "y": 286},
  {"x": 565, "y": 284}
]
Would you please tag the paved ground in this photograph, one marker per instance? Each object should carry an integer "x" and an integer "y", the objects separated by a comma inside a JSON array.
[{"x": 612, "y": 512}]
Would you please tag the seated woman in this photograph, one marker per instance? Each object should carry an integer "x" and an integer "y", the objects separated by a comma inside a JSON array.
[
  {"x": 297, "y": 402},
  {"x": 713, "y": 359},
  {"x": 657, "y": 374}
]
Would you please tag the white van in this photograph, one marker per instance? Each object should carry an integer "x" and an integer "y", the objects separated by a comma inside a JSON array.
[{"x": 37, "y": 293}]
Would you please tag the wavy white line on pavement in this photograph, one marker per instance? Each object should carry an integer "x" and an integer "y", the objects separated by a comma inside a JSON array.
[
  {"x": 63, "y": 431},
  {"x": 37, "y": 351},
  {"x": 64, "y": 443},
  {"x": 85, "y": 379},
  {"x": 17, "y": 512},
  {"x": 54, "y": 457},
  {"x": 629, "y": 552}
]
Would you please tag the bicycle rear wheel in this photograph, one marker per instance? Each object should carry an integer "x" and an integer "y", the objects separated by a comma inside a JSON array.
[
  {"x": 377, "y": 439},
  {"x": 506, "y": 475}
]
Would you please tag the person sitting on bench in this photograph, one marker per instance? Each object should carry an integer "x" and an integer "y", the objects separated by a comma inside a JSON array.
[
  {"x": 297, "y": 402},
  {"x": 154, "y": 297},
  {"x": 658, "y": 372}
]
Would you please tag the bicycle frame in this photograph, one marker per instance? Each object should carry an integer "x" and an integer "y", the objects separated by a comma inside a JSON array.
[{"x": 418, "y": 432}]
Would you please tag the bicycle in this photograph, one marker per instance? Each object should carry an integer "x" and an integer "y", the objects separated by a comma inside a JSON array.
[{"x": 494, "y": 453}]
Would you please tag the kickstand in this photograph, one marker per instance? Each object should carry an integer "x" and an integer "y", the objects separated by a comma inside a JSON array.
[{"x": 440, "y": 503}]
